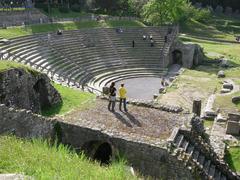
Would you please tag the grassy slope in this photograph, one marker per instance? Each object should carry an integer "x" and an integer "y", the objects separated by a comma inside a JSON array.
[
  {"x": 37, "y": 159},
  {"x": 43, "y": 28},
  {"x": 220, "y": 27},
  {"x": 71, "y": 14},
  {"x": 72, "y": 99}
]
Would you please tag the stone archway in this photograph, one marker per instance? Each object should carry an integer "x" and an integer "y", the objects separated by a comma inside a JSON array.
[
  {"x": 177, "y": 57},
  {"x": 99, "y": 150}
]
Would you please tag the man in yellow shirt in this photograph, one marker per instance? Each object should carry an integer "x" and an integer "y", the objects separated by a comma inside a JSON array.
[{"x": 122, "y": 94}]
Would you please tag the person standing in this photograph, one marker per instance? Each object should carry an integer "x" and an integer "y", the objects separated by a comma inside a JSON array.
[
  {"x": 133, "y": 43},
  {"x": 112, "y": 97},
  {"x": 123, "y": 97}
]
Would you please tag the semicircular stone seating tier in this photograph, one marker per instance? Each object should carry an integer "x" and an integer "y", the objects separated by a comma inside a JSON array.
[{"x": 91, "y": 57}]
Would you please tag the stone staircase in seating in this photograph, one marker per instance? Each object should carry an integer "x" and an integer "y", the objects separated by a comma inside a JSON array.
[{"x": 197, "y": 155}]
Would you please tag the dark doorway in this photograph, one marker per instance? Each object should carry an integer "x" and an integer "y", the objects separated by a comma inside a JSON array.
[
  {"x": 177, "y": 57},
  {"x": 42, "y": 92},
  {"x": 103, "y": 154}
]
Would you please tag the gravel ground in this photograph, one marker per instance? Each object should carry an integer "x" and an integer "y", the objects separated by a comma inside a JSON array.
[{"x": 138, "y": 121}]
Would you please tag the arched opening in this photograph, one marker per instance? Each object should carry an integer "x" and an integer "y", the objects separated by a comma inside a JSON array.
[
  {"x": 42, "y": 93},
  {"x": 99, "y": 151},
  {"x": 103, "y": 153},
  {"x": 177, "y": 57}
]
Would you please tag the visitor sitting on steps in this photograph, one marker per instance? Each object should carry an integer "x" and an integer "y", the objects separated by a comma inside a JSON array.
[
  {"x": 152, "y": 43},
  {"x": 123, "y": 97},
  {"x": 59, "y": 32}
]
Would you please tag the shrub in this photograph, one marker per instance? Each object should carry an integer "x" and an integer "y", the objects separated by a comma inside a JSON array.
[
  {"x": 63, "y": 9},
  {"x": 202, "y": 15},
  {"x": 76, "y": 8}
]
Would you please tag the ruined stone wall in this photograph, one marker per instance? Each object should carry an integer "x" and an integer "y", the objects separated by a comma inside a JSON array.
[
  {"x": 27, "y": 90},
  {"x": 148, "y": 159},
  {"x": 192, "y": 54},
  {"x": 23, "y": 123}
]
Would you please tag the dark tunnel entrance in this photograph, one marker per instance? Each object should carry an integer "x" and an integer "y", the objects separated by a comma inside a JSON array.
[
  {"x": 99, "y": 151},
  {"x": 103, "y": 154}
]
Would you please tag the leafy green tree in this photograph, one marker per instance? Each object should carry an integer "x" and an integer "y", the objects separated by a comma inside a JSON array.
[
  {"x": 136, "y": 6},
  {"x": 158, "y": 12}
]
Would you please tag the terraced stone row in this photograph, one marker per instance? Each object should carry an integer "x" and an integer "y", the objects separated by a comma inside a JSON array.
[{"x": 91, "y": 56}]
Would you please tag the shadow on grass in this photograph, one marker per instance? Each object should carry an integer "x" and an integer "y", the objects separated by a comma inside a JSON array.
[{"x": 51, "y": 111}]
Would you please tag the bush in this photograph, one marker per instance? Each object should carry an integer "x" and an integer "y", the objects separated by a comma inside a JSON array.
[
  {"x": 42, "y": 6},
  {"x": 63, "y": 9},
  {"x": 202, "y": 15},
  {"x": 76, "y": 8}
]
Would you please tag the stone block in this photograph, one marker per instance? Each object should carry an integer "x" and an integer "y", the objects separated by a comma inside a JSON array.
[
  {"x": 220, "y": 118},
  {"x": 161, "y": 90},
  {"x": 233, "y": 128},
  {"x": 225, "y": 91},
  {"x": 228, "y": 86},
  {"x": 234, "y": 117},
  {"x": 236, "y": 99},
  {"x": 221, "y": 74},
  {"x": 105, "y": 90}
]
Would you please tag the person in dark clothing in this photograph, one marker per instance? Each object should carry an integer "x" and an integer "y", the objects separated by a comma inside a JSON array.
[
  {"x": 166, "y": 39},
  {"x": 112, "y": 97},
  {"x": 133, "y": 43}
]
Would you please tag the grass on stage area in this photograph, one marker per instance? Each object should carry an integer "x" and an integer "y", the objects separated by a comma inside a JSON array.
[
  {"x": 37, "y": 159},
  {"x": 43, "y": 28},
  {"x": 72, "y": 99}
]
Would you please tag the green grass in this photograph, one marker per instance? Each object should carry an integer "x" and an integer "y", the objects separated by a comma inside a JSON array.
[
  {"x": 14, "y": 9},
  {"x": 72, "y": 99},
  {"x": 233, "y": 158},
  {"x": 225, "y": 103},
  {"x": 37, "y": 159},
  {"x": 43, "y": 28},
  {"x": 220, "y": 27},
  {"x": 71, "y": 14},
  {"x": 6, "y": 65},
  {"x": 208, "y": 123}
]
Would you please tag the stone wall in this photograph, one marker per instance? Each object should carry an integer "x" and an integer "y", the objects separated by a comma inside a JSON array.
[
  {"x": 27, "y": 90},
  {"x": 192, "y": 54},
  {"x": 149, "y": 159}
]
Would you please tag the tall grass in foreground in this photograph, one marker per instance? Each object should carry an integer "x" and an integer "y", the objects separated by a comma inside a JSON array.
[{"x": 37, "y": 159}]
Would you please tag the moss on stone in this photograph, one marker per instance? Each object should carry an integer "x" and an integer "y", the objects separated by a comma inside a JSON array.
[{"x": 6, "y": 65}]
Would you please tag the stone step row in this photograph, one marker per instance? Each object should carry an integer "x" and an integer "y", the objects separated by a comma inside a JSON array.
[{"x": 194, "y": 153}]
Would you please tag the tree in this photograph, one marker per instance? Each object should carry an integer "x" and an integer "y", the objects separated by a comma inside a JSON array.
[
  {"x": 136, "y": 6},
  {"x": 159, "y": 12}
]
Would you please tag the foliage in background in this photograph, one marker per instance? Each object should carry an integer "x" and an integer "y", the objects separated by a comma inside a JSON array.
[
  {"x": 158, "y": 12},
  {"x": 36, "y": 158}
]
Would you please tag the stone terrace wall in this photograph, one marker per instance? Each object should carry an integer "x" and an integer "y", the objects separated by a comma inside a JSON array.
[
  {"x": 23, "y": 123},
  {"x": 148, "y": 159}
]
